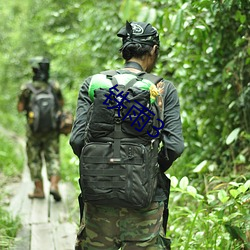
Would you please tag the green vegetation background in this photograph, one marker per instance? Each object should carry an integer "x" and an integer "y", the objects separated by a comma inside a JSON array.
[{"x": 205, "y": 52}]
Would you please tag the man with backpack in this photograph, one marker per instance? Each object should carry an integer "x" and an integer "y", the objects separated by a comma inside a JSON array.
[
  {"x": 127, "y": 133},
  {"x": 42, "y": 102}
]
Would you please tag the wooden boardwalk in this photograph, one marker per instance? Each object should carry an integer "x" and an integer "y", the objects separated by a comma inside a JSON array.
[{"x": 46, "y": 224}]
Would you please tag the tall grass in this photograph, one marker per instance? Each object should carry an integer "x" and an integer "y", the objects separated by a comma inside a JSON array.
[
  {"x": 11, "y": 165},
  {"x": 8, "y": 229}
]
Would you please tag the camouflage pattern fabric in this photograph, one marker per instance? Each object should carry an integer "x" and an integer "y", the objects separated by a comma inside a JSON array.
[
  {"x": 112, "y": 228},
  {"x": 39, "y": 145},
  {"x": 46, "y": 145}
]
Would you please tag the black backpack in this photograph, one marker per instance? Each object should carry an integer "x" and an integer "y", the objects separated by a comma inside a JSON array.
[
  {"x": 43, "y": 109},
  {"x": 118, "y": 164}
]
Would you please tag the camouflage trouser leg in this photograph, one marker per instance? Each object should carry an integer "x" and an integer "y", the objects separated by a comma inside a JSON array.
[
  {"x": 121, "y": 228},
  {"x": 48, "y": 146},
  {"x": 51, "y": 156},
  {"x": 34, "y": 157}
]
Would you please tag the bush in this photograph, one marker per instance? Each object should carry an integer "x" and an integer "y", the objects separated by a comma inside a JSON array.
[{"x": 219, "y": 219}]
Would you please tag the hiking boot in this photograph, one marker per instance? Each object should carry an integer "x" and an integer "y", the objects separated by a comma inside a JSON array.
[
  {"x": 54, "y": 187},
  {"x": 38, "y": 191}
]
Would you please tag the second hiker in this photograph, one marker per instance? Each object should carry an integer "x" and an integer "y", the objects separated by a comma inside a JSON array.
[{"x": 42, "y": 101}]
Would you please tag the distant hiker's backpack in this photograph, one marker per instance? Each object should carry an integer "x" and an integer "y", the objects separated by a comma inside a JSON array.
[
  {"x": 43, "y": 110},
  {"x": 118, "y": 164}
]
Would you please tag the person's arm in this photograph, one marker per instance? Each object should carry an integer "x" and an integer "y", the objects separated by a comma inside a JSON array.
[
  {"x": 172, "y": 138},
  {"x": 58, "y": 92},
  {"x": 20, "y": 106},
  {"x": 77, "y": 134},
  {"x": 23, "y": 98}
]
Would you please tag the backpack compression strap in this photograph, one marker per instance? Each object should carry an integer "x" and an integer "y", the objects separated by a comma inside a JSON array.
[{"x": 153, "y": 78}]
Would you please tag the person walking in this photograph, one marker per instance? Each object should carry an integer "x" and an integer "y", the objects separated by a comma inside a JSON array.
[
  {"x": 111, "y": 226},
  {"x": 42, "y": 101}
]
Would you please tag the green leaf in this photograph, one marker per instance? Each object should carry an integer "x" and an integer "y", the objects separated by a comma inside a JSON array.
[
  {"x": 174, "y": 181},
  {"x": 184, "y": 183},
  {"x": 192, "y": 190},
  {"x": 200, "y": 167},
  {"x": 245, "y": 199},
  {"x": 247, "y": 184},
  {"x": 242, "y": 189},
  {"x": 234, "y": 192},
  {"x": 232, "y": 136},
  {"x": 236, "y": 232},
  {"x": 233, "y": 183},
  {"x": 210, "y": 198},
  {"x": 177, "y": 25},
  {"x": 222, "y": 196}
]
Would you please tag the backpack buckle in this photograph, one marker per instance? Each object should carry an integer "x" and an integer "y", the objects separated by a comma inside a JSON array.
[{"x": 118, "y": 120}]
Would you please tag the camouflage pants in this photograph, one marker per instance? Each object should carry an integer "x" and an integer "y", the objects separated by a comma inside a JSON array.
[
  {"x": 121, "y": 228},
  {"x": 43, "y": 149}
]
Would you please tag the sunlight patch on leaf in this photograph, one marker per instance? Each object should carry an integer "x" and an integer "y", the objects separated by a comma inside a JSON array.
[
  {"x": 247, "y": 184},
  {"x": 200, "y": 167},
  {"x": 192, "y": 190},
  {"x": 174, "y": 181},
  {"x": 184, "y": 183},
  {"x": 234, "y": 192},
  {"x": 232, "y": 136},
  {"x": 222, "y": 196}
]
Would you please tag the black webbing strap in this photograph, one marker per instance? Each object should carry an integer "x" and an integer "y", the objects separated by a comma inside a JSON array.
[
  {"x": 131, "y": 83},
  {"x": 110, "y": 185},
  {"x": 106, "y": 172},
  {"x": 110, "y": 73},
  {"x": 105, "y": 160},
  {"x": 152, "y": 78},
  {"x": 117, "y": 131}
]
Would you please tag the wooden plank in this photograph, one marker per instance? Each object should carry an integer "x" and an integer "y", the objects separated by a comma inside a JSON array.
[
  {"x": 19, "y": 199},
  {"x": 58, "y": 211},
  {"x": 62, "y": 211},
  {"x": 16, "y": 201},
  {"x": 39, "y": 211},
  {"x": 22, "y": 240},
  {"x": 40, "y": 207},
  {"x": 42, "y": 237},
  {"x": 25, "y": 209},
  {"x": 71, "y": 202},
  {"x": 45, "y": 222},
  {"x": 64, "y": 235},
  {"x": 26, "y": 172}
]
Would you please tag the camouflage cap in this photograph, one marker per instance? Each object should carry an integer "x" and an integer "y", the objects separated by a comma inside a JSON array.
[{"x": 139, "y": 32}]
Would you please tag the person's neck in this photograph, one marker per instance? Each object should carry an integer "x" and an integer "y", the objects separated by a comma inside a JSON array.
[{"x": 135, "y": 65}]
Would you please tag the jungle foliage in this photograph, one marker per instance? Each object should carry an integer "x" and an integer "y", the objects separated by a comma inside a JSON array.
[{"x": 205, "y": 52}]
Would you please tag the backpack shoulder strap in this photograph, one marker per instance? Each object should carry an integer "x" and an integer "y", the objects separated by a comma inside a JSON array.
[
  {"x": 52, "y": 84},
  {"x": 153, "y": 78},
  {"x": 32, "y": 88},
  {"x": 35, "y": 91},
  {"x": 109, "y": 73}
]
